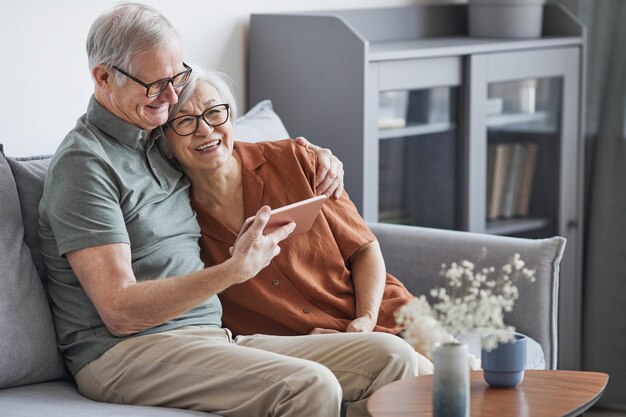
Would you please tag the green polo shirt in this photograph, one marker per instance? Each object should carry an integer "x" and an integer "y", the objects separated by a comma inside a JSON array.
[{"x": 109, "y": 183}]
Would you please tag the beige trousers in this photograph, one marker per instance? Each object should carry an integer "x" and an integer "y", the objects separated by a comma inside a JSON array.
[{"x": 289, "y": 376}]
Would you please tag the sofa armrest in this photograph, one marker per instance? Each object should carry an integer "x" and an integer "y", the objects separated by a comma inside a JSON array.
[{"x": 415, "y": 254}]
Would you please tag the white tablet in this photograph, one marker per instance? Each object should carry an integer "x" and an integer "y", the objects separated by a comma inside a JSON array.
[{"x": 302, "y": 213}]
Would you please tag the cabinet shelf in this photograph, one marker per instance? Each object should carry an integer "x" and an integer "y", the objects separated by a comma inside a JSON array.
[
  {"x": 416, "y": 130},
  {"x": 395, "y": 217},
  {"x": 515, "y": 226},
  {"x": 538, "y": 122},
  {"x": 506, "y": 119}
]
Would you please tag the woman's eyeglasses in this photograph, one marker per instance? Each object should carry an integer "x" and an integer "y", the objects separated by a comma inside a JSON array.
[{"x": 188, "y": 124}]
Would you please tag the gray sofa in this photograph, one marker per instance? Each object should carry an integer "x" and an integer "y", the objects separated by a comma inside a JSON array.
[{"x": 33, "y": 377}]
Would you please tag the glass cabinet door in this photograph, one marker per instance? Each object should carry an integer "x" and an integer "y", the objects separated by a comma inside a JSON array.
[
  {"x": 526, "y": 162},
  {"x": 418, "y": 157},
  {"x": 523, "y": 140}
]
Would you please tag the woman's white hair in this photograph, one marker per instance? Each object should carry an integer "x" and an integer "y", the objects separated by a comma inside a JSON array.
[
  {"x": 220, "y": 81},
  {"x": 124, "y": 31}
]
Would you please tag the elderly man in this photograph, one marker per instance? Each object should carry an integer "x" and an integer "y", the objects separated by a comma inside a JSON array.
[{"x": 137, "y": 316}]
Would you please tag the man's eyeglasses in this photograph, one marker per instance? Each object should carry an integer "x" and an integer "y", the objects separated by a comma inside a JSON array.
[
  {"x": 155, "y": 88},
  {"x": 188, "y": 124}
]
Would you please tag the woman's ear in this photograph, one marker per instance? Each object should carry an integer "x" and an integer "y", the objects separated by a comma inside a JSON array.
[{"x": 103, "y": 77}]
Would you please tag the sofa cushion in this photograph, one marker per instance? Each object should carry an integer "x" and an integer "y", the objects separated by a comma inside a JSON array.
[
  {"x": 260, "y": 123},
  {"x": 29, "y": 174},
  {"x": 28, "y": 350},
  {"x": 61, "y": 399}
]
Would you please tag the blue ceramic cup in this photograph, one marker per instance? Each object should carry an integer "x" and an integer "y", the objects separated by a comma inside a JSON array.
[{"x": 504, "y": 365}]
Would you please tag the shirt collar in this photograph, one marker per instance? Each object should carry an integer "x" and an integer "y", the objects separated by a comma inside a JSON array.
[
  {"x": 251, "y": 155},
  {"x": 159, "y": 138},
  {"x": 119, "y": 129}
]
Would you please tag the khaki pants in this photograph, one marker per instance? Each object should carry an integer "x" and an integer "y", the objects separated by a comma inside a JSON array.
[{"x": 289, "y": 376}]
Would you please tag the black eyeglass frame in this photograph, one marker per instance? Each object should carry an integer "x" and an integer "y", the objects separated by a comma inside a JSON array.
[
  {"x": 198, "y": 117},
  {"x": 187, "y": 70}
]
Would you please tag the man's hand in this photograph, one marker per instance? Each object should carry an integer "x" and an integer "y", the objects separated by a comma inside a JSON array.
[
  {"x": 254, "y": 250},
  {"x": 329, "y": 172},
  {"x": 363, "y": 324}
]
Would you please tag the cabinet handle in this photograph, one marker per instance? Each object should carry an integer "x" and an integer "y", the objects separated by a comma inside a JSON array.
[{"x": 572, "y": 224}]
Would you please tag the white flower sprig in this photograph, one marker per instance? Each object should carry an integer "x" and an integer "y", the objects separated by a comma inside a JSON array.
[{"x": 471, "y": 299}]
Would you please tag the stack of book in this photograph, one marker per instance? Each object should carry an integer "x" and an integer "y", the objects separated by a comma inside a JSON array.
[{"x": 510, "y": 176}]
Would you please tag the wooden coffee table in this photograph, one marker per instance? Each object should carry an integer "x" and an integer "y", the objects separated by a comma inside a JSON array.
[{"x": 541, "y": 394}]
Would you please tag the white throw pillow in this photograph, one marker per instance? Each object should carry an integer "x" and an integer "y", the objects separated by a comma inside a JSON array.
[{"x": 260, "y": 123}]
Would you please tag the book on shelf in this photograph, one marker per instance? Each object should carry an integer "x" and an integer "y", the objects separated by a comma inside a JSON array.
[
  {"x": 502, "y": 156},
  {"x": 510, "y": 179},
  {"x": 491, "y": 160},
  {"x": 512, "y": 182},
  {"x": 527, "y": 180}
]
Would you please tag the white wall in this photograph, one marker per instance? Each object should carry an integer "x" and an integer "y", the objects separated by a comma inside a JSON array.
[{"x": 45, "y": 82}]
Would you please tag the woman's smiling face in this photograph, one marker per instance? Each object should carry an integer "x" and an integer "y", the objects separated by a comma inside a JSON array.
[{"x": 209, "y": 147}]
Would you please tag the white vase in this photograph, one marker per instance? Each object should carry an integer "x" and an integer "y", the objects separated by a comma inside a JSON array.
[
  {"x": 451, "y": 381},
  {"x": 505, "y": 18}
]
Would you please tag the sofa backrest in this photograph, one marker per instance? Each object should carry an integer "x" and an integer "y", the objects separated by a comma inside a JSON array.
[
  {"x": 415, "y": 254},
  {"x": 28, "y": 348},
  {"x": 29, "y": 174}
]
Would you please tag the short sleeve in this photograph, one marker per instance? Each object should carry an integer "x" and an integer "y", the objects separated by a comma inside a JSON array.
[
  {"x": 82, "y": 202},
  {"x": 347, "y": 226}
]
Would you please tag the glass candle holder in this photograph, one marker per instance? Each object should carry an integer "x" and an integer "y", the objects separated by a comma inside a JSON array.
[{"x": 451, "y": 380}]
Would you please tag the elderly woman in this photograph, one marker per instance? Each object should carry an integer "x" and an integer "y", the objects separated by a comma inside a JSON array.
[{"x": 330, "y": 279}]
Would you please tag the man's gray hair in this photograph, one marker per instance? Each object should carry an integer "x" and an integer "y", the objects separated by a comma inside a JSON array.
[
  {"x": 127, "y": 29},
  {"x": 220, "y": 81}
]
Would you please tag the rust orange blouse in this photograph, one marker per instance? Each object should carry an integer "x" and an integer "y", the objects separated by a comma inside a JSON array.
[{"x": 308, "y": 284}]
